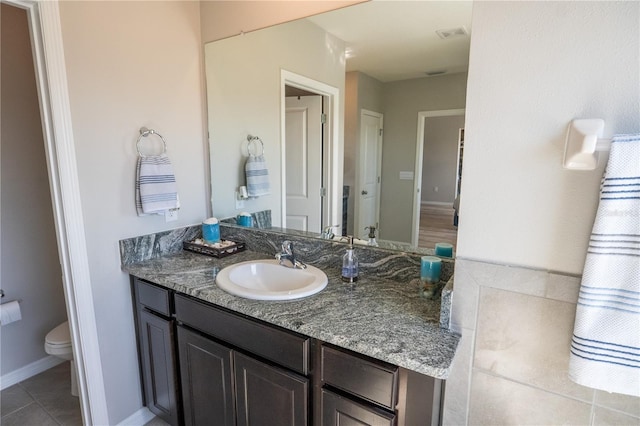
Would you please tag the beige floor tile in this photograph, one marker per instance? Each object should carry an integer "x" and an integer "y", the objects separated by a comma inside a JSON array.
[
  {"x": 497, "y": 401},
  {"x": 527, "y": 339},
  {"x": 156, "y": 421},
  {"x": 604, "y": 417},
  {"x": 625, "y": 403}
]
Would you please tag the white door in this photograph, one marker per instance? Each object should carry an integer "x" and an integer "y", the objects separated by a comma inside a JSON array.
[
  {"x": 303, "y": 162},
  {"x": 367, "y": 190}
]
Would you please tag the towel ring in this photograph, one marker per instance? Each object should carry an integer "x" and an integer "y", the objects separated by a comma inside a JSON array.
[
  {"x": 144, "y": 132},
  {"x": 251, "y": 140}
]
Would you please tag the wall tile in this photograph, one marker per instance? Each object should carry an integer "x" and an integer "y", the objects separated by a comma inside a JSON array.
[
  {"x": 456, "y": 397},
  {"x": 563, "y": 287},
  {"x": 527, "y": 339},
  {"x": 497, "y": 401},
  {"x": 626, "y": 403},
  {"x": 604, "y": 417},
  {"x": 465, "y": 296}
]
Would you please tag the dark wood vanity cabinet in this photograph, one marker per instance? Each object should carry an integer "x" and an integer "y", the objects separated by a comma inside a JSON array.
[
  {"x": 235, "y": 370},
  {"x": 156, "y": 348}
]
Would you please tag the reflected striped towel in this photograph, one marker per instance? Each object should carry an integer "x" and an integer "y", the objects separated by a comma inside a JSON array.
[
  {"x": 605, "y": 349},
  {"x": 156, "y": 190},
  {"x": 257, "y": 176}
]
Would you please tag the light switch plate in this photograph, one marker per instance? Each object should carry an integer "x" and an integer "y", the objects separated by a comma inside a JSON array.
[{"x": 406, "y": 175}]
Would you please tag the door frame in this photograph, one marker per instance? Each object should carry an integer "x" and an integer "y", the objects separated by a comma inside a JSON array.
[
  {"x": 417, "y": 176},
  {"x": 332, "y": 149},
  {"x": 53, "y": 94},
  {"x": 358, "y": 184}
]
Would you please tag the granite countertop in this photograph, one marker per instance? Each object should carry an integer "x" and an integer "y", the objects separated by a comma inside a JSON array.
[{"x": 380, "y": 318}]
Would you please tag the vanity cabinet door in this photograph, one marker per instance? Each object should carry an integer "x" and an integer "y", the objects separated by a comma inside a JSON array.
[
  {"x": 340, "y": 411},
  {"x": 205, "y": 369},
  {"x": 159, "y": 366},
  {"x": 269, "y": 396}
]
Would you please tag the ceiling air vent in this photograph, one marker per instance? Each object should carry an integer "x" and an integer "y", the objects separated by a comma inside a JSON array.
[{"x": 452, "y": 33}]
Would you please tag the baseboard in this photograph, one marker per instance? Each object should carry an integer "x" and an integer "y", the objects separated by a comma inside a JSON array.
[
  {"x": 29, "y": 370},
  {"x": 139, "y": 418},
  {"x": 437, "y": 204}
]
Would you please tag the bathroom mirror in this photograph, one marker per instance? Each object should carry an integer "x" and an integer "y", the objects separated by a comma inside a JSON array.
[{"x": 385, "y": 75}]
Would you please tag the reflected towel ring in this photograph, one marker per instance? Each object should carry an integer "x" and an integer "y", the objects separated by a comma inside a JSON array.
[
  {"x": 144, "y": 132},
  {"x": 251, "y": 140}
]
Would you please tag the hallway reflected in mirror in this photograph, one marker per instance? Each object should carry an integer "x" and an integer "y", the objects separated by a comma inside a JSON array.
[{"x": 436, "y": 226}]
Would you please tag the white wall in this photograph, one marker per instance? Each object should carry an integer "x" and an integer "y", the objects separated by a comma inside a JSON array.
[
  {"x": 30, "y": 263},
  {"x": 130, "y": 64},
  {"x": 403, "y": 100},
  {"x": 243, "y": 92},
  {"x": 534, "y": 66}
]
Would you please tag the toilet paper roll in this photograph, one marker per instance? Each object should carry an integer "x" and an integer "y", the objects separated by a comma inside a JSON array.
[{"x": 10, "y": 312}]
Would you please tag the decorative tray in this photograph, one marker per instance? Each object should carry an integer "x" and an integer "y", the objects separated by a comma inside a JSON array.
[{"x": 221, "y": 249}]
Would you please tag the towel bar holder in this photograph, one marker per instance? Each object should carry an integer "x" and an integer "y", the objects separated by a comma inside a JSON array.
[
  {"x": 254, "y": 139},
  {"x": 144, "y": 132},
  {"x": 583, "y": 143}
]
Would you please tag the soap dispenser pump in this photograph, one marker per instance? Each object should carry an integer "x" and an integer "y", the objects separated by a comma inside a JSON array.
[
  {"x": 372, "y": 236},
  {"x": 350, "y": 264}
]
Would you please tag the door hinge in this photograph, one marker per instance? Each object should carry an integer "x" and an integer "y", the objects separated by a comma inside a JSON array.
[
  {"x": 381, "y": 132},
  {"x": 323, "y": 118},
  {"x": 323, "y": 192},
  {"x": 378, "y": 179}
]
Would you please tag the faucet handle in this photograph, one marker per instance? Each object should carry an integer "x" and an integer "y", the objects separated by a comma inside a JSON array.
[{"x": 287, "y": 247}]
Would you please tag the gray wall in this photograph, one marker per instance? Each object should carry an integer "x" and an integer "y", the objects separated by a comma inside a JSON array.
[
  {"x": 439, "y": 158},
  {"x": 403, "y": 100},
  {"x": 361, "y": 92},
  {"x": 30, "y": 265}
]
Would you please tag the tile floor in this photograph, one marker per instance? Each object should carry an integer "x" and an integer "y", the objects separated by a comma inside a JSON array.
[{"x": 44, "y": 399}]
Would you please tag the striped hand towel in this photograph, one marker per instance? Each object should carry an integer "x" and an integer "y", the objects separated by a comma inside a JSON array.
[
  {"x": 605, "y": 349},
  {"x": 156, "y": 190},
  {"x": 257, "y": 176}
]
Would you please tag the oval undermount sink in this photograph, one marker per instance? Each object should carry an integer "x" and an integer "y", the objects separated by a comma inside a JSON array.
[{"x": 268, "y": 280}]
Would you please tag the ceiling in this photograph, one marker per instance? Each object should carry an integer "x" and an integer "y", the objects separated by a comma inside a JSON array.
[{"x": 397, "y": 40}]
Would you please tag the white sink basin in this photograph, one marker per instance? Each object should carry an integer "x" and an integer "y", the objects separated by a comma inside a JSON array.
[{"x": 268, "y": 280}]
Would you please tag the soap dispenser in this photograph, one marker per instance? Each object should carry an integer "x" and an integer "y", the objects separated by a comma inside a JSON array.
[
  {"x": 350, "y": 264},
  {"x": 372, "y": 236}
]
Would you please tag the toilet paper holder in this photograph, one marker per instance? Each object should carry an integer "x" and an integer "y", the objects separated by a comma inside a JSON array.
[{"x": 2, "y": 295}]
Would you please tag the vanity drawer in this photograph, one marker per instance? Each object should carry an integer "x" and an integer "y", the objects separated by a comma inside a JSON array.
[
  {"x": 152, "y": 297},
  {"x": 368, "y": 379},
  {"x": 283, "y": 347}
]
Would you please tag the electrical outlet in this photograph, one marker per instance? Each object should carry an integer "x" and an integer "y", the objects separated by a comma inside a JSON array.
[
  {"x": 171, "y": 215},
  {"x": 239, "y": 201}
]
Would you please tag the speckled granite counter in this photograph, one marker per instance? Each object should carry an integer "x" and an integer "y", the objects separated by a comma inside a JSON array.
[{"x": 381, "y": 318}]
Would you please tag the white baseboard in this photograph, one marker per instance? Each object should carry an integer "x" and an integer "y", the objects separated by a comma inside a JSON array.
[
  {"x": 29, "y": 370},
  {"x": 437, "y": 203},
  {"x": 139, "y": 418}
]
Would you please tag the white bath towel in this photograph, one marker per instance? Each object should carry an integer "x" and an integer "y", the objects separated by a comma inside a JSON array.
[
  {"x": 605, "y": 349},
  {"x": 156, "y": 189},
  {"x": 257, "y": 176}
]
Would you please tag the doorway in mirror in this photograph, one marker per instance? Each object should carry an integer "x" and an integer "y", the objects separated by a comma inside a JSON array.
[{"x": 436, "y": 226}]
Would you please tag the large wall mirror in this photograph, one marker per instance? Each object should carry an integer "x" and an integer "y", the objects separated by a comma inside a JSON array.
[{"x": 361, "y": 116}]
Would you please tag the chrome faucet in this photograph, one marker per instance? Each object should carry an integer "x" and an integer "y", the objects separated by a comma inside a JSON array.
[{"x": 287, "y": 257}]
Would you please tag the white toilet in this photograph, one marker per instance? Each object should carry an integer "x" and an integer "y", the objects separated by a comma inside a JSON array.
[{"x": 58, "y": 343}]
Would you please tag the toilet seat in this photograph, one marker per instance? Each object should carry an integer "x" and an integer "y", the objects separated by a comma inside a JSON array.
[{"x": 58, "y": 340}]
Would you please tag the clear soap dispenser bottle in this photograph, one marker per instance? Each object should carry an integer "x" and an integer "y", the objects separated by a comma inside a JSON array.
[{"x": 350, "y": 264}]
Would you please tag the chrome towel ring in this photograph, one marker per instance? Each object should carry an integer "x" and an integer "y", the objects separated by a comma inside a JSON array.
[
  {"x": 144, "y": 132},
  {"x": 251, "y": 140}
]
